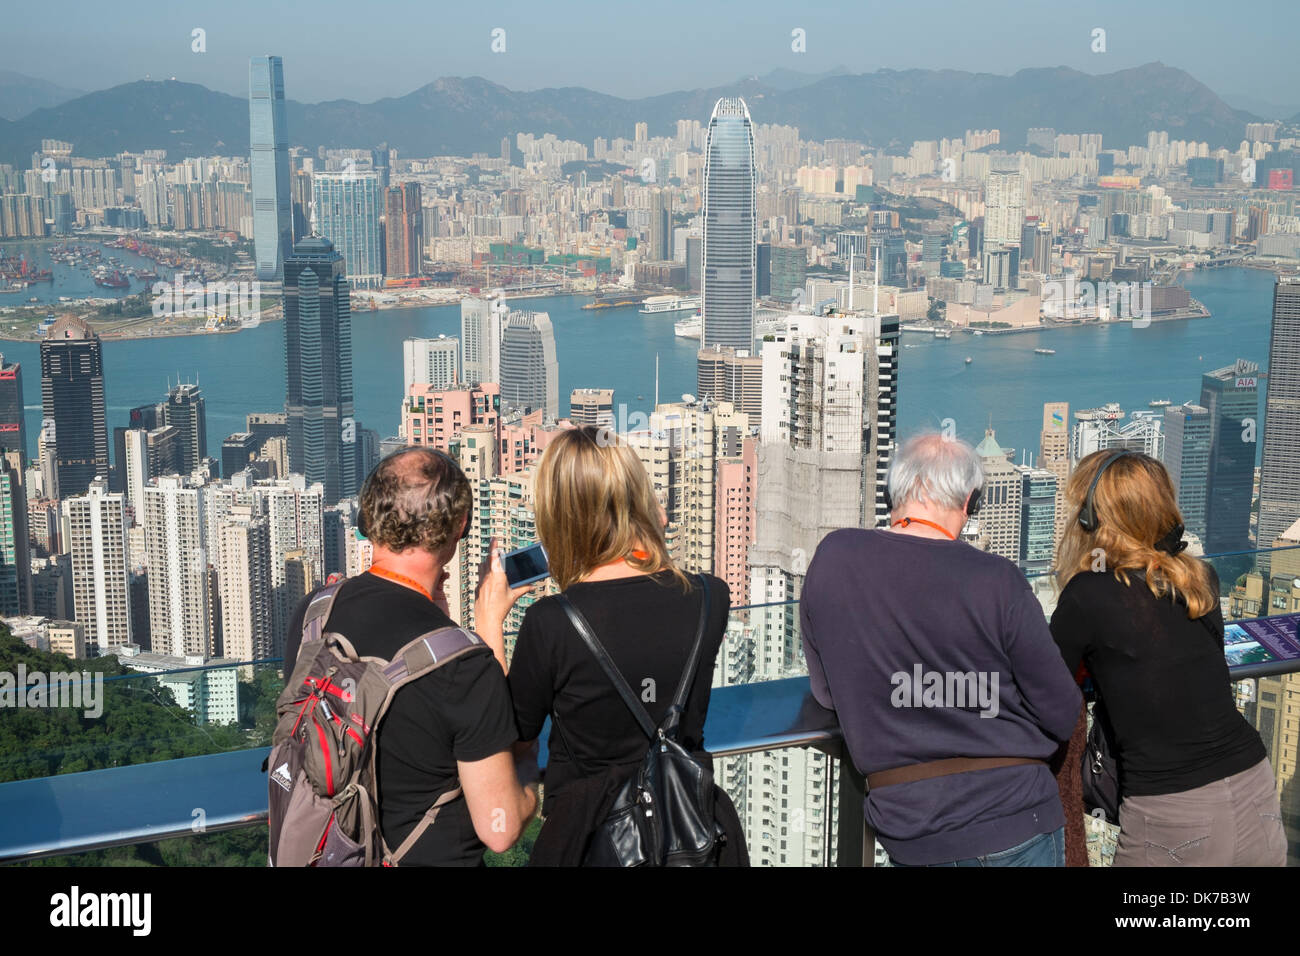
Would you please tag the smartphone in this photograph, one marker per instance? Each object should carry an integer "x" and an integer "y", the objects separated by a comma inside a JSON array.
[{"x": 526, "y": 565}]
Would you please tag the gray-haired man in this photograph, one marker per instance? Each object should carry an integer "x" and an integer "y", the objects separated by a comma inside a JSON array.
[{"x": 938, "y": 660}]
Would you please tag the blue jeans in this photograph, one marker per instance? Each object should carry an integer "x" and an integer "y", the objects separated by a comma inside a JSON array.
[{"x": 1045, "y": 849}]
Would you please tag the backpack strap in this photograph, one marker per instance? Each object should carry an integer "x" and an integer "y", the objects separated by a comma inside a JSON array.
[
  {"x": 673, "y": 719},
  {"x": 419, "y": 657},
  {"x": 395, "y": 857},
  {"x": 317, "y": 614}
]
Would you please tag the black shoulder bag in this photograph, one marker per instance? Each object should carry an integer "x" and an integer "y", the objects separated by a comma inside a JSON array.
[{"x": 664, "y": 815}]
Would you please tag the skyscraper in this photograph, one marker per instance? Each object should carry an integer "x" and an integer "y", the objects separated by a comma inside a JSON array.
[
  {"x": 661, "y": 225},
  {"x": 318, "y": 353},
  {"x": 1004, "y": 206},
  {"x": 403, "y": 230},
  {"x": 1054, "y": 454},
  {"x": 13, "y": 429},
  {"x": 529, "y": 372},
  {"x": 1231, "y": 396},
  {"x": 730, "y": 228},
  {"x": 1187, "y": 459},
  {"x": 592, "y": 406},
  {"x": 430, "y": 362},
  {"x": 346, "y": 209},
  {"x": 1279, "y": 485},
  {"x": 184, "y": 410},
  {"x": 97, "y": 526},
  {"x": 180, "y": 610},
  {"x": 15, "y": 559},
  {"x": 72, "y": 400},
  {"x": 480, "y": 339},
  {"x": 247, "y": 599},
  {"x": 146, "y": 417},
  {"x": 268, "y": 139}
]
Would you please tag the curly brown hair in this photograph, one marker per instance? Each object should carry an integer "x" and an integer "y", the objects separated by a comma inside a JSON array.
[{"x": 415, "y": 498}]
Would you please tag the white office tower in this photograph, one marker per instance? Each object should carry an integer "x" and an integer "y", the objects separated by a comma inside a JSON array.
[
  {"x": 180, "y": 608},
  {"x": 244, "y": 545},
  {"x": 430, "y": 362},
  {"x": 1004, "y": 205},
  {"x": 830, "y": 389},
  {"x": 95, "y": 526},
  {"x": 294, "y": 511},
  {"x": 530, "y": 375},
  {"x": 480, "y": 340}
]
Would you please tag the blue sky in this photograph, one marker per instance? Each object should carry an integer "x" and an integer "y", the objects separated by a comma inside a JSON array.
[{"x": 368, "y": 50}]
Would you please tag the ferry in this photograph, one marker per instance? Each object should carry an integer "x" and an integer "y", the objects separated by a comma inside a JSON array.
[
  {"x": 1160, "y": 403},
  {"x": 669, "y": 303},
  {"x": 1044, "y": 351},
  {"x": 689, "y": 328}
]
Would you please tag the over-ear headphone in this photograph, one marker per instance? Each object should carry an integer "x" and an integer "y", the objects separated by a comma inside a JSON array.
[
  {"x": 1171, "y": 543},
  {"x": 1088, "y": 519},
  {"x": 365, "y": 488}
]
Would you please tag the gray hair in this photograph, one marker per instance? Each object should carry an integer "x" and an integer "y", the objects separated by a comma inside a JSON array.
[{"x": 934, "y": 468}]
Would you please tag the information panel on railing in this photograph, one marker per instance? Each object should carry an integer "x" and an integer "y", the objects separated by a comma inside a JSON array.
[{"x": 1266, "y": 645}]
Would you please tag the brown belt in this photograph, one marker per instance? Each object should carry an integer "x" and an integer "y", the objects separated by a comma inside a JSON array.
[{"x": 942, "y": 768}]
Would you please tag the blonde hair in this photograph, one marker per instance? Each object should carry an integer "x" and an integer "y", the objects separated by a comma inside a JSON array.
[
  {"x": 595, "y": 505},
  {"x": 1136, "y": 506}
]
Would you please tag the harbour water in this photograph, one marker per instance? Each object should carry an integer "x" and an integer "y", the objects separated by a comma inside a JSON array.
[{"x": 244, "y": 371}]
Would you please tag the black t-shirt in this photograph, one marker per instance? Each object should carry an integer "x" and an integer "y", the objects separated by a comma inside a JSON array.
[
  {"x": 1163, "y": 680},
  {"x": 461, "y": 712},
  {"x": 647, "y": 624}
]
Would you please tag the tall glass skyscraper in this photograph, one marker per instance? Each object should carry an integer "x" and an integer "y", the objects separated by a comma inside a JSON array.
[
  {"x": 323, "y": 435},
  {"x": 347, "y": 206},
  {"x": 268, "y": 140},
  {"x": 72, "y": 401},
  {"x": 1231, "y": 396},
  {"x": 1279, "y": 484},
  {"x": 730, "y": 228},
  {"x": 529, "y": 372}
]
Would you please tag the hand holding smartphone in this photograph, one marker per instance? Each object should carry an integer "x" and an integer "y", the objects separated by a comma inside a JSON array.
[{"x": 525, "y": 565}]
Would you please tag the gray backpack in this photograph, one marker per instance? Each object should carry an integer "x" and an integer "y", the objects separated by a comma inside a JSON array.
[{"x": 323, "y": 806}]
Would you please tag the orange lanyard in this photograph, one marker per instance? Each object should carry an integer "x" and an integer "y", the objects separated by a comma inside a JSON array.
[
  {"x": 400, "y": 579},
  {"x": 638, "y": 555},
  {"x": 937, "y": 527}
]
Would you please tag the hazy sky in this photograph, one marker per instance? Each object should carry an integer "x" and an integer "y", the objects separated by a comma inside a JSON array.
[{"x": 368, "y": 49}]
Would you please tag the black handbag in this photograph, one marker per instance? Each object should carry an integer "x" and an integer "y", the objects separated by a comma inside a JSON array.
[
  {"x": 1100, "y": 769},
  {"x": 664, "y": 815}
]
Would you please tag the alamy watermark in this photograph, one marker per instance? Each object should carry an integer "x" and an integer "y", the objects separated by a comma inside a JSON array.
[
  {"x": 230, "y": 300},
  {"x": 1084, "y": 299},
  {"x": 83, "y": 690},
  {"x": 958, "y": 689}
]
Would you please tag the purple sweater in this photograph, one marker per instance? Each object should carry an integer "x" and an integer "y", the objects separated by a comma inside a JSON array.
[{"x": 926, "y": 649}]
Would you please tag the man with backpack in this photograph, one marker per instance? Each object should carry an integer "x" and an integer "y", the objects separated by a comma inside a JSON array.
[{"x": 446, "y": 772}]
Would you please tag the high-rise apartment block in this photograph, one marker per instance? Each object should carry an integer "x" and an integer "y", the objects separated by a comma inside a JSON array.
[{"x": 96, "y": 523}]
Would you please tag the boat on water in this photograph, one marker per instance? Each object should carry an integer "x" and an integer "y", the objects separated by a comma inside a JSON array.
[
  {"x": 1044, "y": 351},
  {"x": 943, "y": 333},
  {"x": 112, "y": 280},
  {"x": 969, "y": 360},
  {"x": 978, "y": 331},
  {"x": 688, "y": 328},
  {"x": 610, "y": 300},
  {"x": 1160, "y": 403},
  {"x": 670, "y": 303}
]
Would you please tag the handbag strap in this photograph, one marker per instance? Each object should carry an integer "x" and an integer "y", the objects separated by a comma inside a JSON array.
[{"x": 611, "y": 670}]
